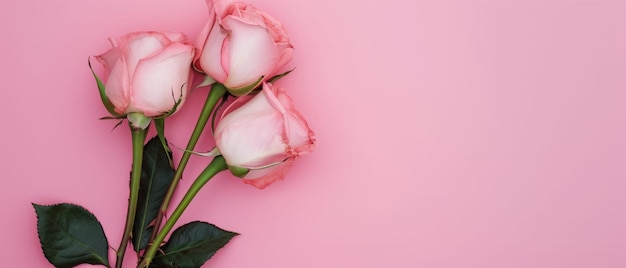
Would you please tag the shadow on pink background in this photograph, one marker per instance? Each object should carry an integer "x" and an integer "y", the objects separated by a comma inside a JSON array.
[{"x": 450, "y": 133}]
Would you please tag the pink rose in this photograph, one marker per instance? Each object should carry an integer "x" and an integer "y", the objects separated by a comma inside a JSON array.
[
  {"x": 263, "y": 134},
  {"x": 240, "y": 45},
  {"x": 147, "y": 74}
]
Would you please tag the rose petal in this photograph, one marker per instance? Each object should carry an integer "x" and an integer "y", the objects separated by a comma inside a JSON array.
[
  {"x": 238, "y": 102},
  {"x": 252, "y": 53},
  {"x": 210, "y": 59},
  {"x": 266, "y": 146},
  {"x": 108, "y": 60},
  {"x": 276, "y": 29},
  {"x": 201, "y": 41},
  {"x": 117, "y": 85},
  {"x": 220, "y": 7},
  {"x": 299, "y": 135},
  {"x": 301, "y": 139},
  {"x": 176, "y": 37},
  {"x": 139, "y": 45},
  {"x": 286, "y": 54},
  {"x": 262, "y": 178},
  {"x": 249, "y": 15},
  {"x": 158, "y": 80},
  {"x": 225, "y": 53}
]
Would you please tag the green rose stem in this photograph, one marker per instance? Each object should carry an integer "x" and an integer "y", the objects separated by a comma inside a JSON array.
[
  {"x": 217, "y": 91},
  {"x": 138, "y": 137},
  {"x": 217, "y": 165}
]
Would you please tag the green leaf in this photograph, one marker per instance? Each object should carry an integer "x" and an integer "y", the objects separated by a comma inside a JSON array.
[
  {"x": 103, "y": 96},
  {"x": 191, "y": 245},
  {"x": 146, "y": 237},
  {"x": 70, "y": 235},
  {"x": 156, "y": 176}
]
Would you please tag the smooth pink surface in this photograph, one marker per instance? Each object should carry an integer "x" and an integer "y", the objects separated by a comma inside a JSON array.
[{"x": 449, "y": 133}]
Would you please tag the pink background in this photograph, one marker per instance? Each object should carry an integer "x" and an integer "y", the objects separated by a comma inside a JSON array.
[{"x": 450, "y": 133}]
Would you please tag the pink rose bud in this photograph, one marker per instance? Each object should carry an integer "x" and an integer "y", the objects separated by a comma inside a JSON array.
[
  {"x": 147, "y": 75},
  {"x": 263, "y": 134},
  {"x": 241, "y": 46}
]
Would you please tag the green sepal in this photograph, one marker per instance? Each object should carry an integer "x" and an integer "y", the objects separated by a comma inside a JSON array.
[
  {"x": 239, "y": 172},
  {"x": 71, "y": 235},
  {"x": 138, "y": 120},
  {"x": 157, "y": 174},
  {"x": 279, "y": 76},
  {"x": 105, "y": 100},
  {"x": 245, "y": 90},
  {"x": 191, "y": 245}
]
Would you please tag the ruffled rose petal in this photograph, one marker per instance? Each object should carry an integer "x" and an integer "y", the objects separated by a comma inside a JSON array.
[
  {"x": 276, "y": 29},
  {"x": 297, "y": 131},
  {"x": 301, "y": 139},
  {"x": 249, "y": 15},
  {"x": 262, "y": 178},
  {"x": 286, "y": 54}
]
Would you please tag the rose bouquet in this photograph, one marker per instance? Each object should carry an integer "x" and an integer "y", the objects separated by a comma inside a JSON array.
[{"x": 146, "y": 78}]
